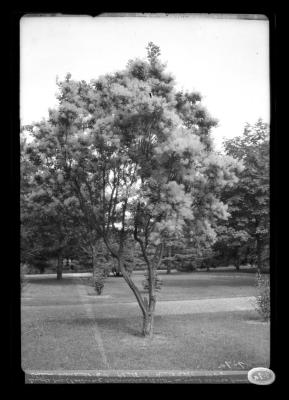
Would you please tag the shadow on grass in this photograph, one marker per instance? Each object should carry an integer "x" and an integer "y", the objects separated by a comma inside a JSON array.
[
  {"x": 131, "y": 327},
  {"x": 233, "y": 270},
  {"x": 210, "y": 282},
  {"x": 52, "y": 281},
  {"x": 118, "y": 327},
  {"x": 254, "y": 317}
]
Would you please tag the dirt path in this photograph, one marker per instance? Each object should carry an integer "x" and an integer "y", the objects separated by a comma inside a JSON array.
[
  {"x": 205, "y": 305},
  {"x": 102, "y": 305},
  {"x": 176, "y": 307},
  {"x": 93, "y": 324}
]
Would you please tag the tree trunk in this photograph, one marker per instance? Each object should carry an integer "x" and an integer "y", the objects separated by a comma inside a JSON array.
[
  {"x": 148, "y": 321},
  {"x": 59, "y": 268},
  {"x": 117, "y": 272},
  {"x": 259, "y": 255},
  {"x": 237, "y": 258},
  {"x": 98, "y": 273},
  {"x": 132, "y": 286},
  {"x": 95, "y": 262},
  {"x": 148, "y": 324},
  {"x": 169, "y": 264}
]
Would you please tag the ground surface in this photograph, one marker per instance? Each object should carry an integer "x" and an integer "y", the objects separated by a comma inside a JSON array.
[{"x": 204, "y": 321}]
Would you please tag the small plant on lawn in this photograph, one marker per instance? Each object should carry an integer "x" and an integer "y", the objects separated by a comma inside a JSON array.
[
  {"x": 263, "y": 296},
  {"x": 98, "y": 280},
  {"x": 157, "y": 282}
]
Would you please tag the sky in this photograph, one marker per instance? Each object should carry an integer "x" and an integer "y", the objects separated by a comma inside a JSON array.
[{"x": 224, "y": 58}]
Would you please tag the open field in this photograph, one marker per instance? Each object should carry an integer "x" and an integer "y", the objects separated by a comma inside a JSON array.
[{"x": 204, "y": 321}]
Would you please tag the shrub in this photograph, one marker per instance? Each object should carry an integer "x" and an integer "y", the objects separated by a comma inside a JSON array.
[
  {"x": 98, "y": 280},
  {"x": 38, "y": 265},
  {"x": 23, "y": 272},
  {"x": 263, "y": 296}
]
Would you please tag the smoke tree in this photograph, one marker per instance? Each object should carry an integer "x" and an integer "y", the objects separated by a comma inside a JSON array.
[{"x": 137, "y": 157}]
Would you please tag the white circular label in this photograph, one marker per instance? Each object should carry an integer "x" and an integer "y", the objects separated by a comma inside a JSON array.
[{"x": 261, "y": 376}]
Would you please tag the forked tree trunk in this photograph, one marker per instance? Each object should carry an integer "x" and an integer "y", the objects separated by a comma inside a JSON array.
[
  {"x": 59, "y": 268},
  {"x": 147, "y": 308}
]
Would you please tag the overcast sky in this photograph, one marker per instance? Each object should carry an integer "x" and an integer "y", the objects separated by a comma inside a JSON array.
[{"x": 225, "y": 59}]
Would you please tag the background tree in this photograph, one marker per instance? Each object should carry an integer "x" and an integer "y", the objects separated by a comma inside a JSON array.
[
  {"x": 245, "y": 235},
  {"x": 49, "y": 217}
]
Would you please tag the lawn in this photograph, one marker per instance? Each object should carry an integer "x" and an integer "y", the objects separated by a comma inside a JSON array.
[
  {"x": 66, "y": 327},
  {"x": 212, "y": 341},
  {"x": 186, "y": 286}
]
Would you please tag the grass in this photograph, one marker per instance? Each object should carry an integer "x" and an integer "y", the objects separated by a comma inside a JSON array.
[
  {"x": 185, "y": 286},
  {"x": 58, "y": 333},
  {"x": 206, "y": 341}
]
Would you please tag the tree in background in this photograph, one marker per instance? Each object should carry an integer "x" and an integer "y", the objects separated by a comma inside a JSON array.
[
  {"x": 34, "y": 236},
  {"x": 136, "y": 157},
  {"x": 49, "y": 219},
  {"x": 245, "y": 235}
]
